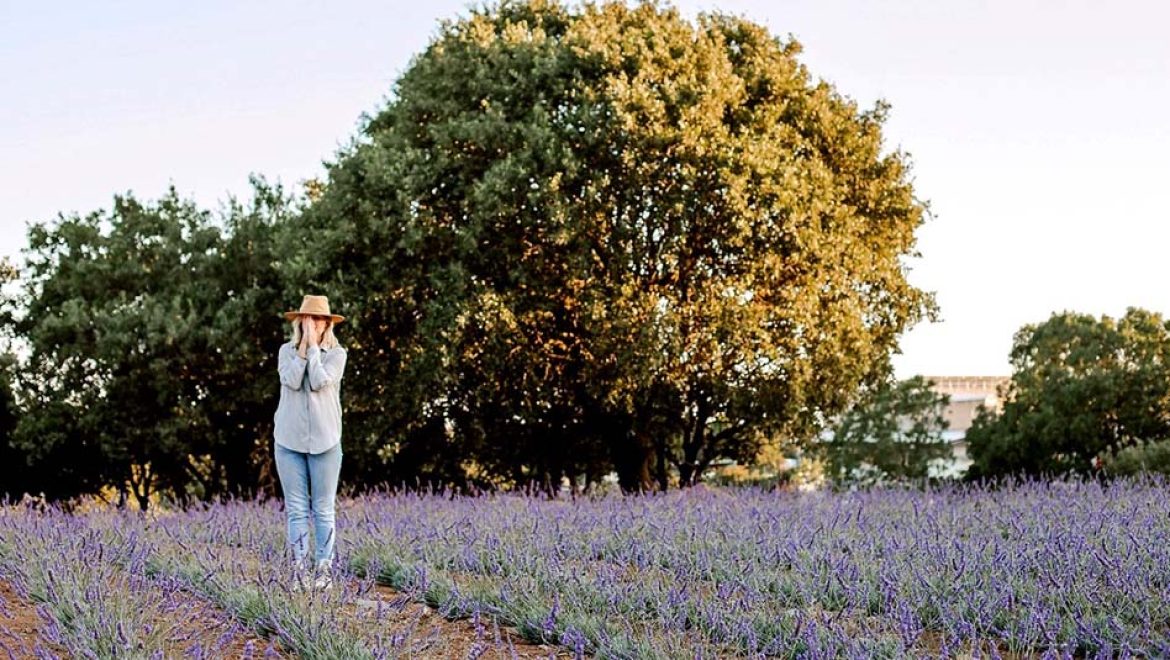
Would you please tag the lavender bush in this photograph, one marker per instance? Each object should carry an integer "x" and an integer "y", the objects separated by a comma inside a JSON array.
[
  {"x": 87, "y": 574},
  {"x": 1068, "y": 569},
  {"x": 1063, "y": 569}
]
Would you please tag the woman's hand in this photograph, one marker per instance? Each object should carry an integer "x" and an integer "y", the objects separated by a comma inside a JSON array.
[
  {"x": 306, "y": 331},
  {"x": 312, "y": 326}
]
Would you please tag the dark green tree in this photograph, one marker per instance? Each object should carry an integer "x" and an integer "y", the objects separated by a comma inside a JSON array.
[
  {"x": 893, "y": 434},
  {"x": 14, "y": 468},
  {"x": 1082, "y": 387},
  {"x": 13, "y": 464},
  {"x": 242, "y": 293},
  {"x": 108, "y": 334},
  {"x": 151, "y": 330},
  {"x": 605, "y": 235}
]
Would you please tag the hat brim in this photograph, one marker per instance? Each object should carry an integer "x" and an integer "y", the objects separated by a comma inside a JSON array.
[{"x": 337, "y": 318}]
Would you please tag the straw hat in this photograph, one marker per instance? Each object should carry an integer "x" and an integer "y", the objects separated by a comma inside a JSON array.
[{"x": 314, "y": 306}]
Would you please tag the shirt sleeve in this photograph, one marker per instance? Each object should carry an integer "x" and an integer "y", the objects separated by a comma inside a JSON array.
[
  {"x": 327, "y": 371},
  {"x": 291, "y": 367}
]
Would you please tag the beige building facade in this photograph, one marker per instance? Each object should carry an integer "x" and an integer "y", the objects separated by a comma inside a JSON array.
[{"x": 968, "y": 394}]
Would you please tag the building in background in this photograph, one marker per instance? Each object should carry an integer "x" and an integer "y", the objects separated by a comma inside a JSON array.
[{"x": 968, "y": 394}]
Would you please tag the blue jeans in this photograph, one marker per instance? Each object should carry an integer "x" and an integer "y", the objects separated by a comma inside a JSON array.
[{"x": 301, "y": 473}]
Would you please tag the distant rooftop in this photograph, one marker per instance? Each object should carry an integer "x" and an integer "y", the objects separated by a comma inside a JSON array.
[{"x": 968, "y": 384}]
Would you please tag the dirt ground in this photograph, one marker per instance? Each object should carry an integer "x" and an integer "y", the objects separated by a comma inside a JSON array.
[
  {"x": 459, "y": 639},
  {"x": 22, "y": 629}
]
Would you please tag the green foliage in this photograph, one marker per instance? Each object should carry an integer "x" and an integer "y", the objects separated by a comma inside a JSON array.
[
  {"x": 13, "y": 464},
  {"x": 893, "y": 434},
  {"x": 574, "y": 240},
  {"x": 245, "y": 293},
  {"x": 14, "y": 472},
  {"x": 150, "y": 329},
  {"x": 1140, "y": 459},
  {"x": 577, "y": 238},
  {"x": 1081, "y": 388},
  {"x": 752, "y": 476}
]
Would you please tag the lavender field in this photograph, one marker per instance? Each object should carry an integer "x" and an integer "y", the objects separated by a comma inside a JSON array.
[{"x": 1032, "y": 570}]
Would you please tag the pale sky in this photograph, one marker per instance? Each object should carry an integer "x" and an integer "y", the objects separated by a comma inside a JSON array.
[{"x": 1038, "y": 130}]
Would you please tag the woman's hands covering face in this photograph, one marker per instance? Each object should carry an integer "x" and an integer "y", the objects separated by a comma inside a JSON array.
[{"x": 311, "y": 329}]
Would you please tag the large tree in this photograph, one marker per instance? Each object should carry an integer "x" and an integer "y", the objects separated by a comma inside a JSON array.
[
  {"x": 151, "y": 330},
  {"x": 577, "y": 237},
  {"x": 1082, "y": 387}
]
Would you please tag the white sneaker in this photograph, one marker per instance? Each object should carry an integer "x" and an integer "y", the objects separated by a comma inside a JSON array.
[
  {"x": 300, "y": 580},
  {"x": 300, "y": 583},
  {"x": 324, "y": 579}
]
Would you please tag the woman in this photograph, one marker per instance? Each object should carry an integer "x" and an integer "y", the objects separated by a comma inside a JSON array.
[{"x": 308, "y": 435}]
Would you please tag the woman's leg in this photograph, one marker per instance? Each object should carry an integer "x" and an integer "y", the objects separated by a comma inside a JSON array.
[
  {"x": 293, "y": 468},
  {"x": 324, "y": 469}
]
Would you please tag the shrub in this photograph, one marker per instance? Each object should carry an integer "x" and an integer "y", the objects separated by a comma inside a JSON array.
[{"x": 1141, "y": 458}]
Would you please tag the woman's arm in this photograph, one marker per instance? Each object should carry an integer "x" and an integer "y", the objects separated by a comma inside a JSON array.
[
  {"x": 323, "y": 373},
  {"x": 291, "y": 367}
]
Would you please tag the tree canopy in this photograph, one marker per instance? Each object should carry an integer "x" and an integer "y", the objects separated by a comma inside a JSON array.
[
  {"x": 148, "y": 328},
  {"x": 1082, "y": 387},
  {"x": 610, "y": 233},
  {"x": 574, "y": 240}
]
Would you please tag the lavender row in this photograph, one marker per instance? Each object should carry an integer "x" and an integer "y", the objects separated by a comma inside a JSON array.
[
  {"x": 235, "y": 555},
  {"x": 87, "y": 576},
  {"x": 1062, "y": 569}
]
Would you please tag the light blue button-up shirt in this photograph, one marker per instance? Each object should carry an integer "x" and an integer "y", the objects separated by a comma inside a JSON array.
[{"x": 308, "y": 417}]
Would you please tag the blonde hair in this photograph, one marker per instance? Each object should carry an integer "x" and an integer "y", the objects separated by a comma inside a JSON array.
[{"x": 328, "y": 339}]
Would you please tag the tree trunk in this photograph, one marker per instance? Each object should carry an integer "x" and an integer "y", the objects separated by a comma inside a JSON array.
[
  {"x": 633, "y": 457},
  {"x": 267, "y": 480},
  {"x": 695, "y": 458},
  {"x": 662, "y": 463},
  {"x": 140, "y": 485}
]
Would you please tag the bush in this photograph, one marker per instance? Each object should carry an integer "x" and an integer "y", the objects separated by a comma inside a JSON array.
[
  {"x": 1142, "y": 458},
  {"x": 759, "y": 476}
]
